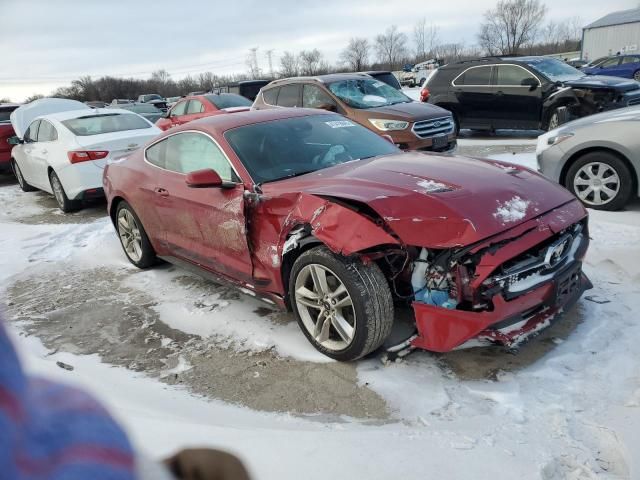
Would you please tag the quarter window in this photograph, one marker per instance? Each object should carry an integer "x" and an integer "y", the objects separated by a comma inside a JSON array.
[
  {"x": 47, "y": 132},
  {"x": 630, "y": 60},
  {"x": 270, "y": 96},
  {"x": 155, "y": 154},
  {"x": 475, "y": 76},
  {"x": 189, "y": 151},
  {"x": 512, "y": 75},
  {"x": 195, "y": 107},
  {"x": 289, "y": 96},
  {"x": 315, "y": 97},
  {"x": 179, "y": 109},
  {"x": 31, "y": 135}
]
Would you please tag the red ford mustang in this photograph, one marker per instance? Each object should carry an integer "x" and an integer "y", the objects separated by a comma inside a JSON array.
[{"x": 315, "y": 213}]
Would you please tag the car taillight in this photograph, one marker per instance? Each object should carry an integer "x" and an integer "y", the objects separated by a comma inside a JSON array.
[
  {"x": 78, "y": 156},
  {"x": 424, "y": 94}
]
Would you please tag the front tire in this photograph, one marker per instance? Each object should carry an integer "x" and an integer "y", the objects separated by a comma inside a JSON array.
[
  {"x": 558, "y": 116},
  {"x": 65, "y": 204},
  {"x": 21, "y": 181},
  {"x": 343, "y": 306},
  {"x": 600, "y": 180},
  {"x": 133, "y": 238}
]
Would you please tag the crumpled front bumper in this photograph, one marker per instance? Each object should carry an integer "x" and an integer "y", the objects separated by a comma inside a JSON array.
[{"x": 509, "y": 323}]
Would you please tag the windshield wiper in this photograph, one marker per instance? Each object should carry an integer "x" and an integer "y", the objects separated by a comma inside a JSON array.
[{"x": 298, "y": 174}]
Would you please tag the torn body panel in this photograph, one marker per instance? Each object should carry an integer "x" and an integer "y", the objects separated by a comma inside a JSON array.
[{"x": 277, "y": 223}]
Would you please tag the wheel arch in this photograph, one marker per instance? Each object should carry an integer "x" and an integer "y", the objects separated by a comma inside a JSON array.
[
  {"x": 577, "y": 155},
  {"x": 113, "y": 208}
]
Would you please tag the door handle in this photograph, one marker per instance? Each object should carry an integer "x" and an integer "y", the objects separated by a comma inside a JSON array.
[{"x": 161, "y": 191}]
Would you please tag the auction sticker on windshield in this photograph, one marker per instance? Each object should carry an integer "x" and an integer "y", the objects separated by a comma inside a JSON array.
[{"x": 340, "y": 124}]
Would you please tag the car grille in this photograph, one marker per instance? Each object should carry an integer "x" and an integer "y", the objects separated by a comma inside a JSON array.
[
  {"x": 429, "y": 128},
  {"x": 634, "y": 101}
]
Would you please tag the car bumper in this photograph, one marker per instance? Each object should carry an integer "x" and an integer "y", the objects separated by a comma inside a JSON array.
[
  {"x": 5, "y": 159},
  {"x": 509, "y": 324},
  {"x": 408, "y": 141},
  {"x": 80, "y": 178},
  {"x": 550, "y": 163}
]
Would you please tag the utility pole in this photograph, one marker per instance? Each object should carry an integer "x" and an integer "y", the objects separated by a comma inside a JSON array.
[{"x": 270, "y": 57}]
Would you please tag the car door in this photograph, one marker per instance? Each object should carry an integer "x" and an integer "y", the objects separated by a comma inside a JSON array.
[
  {"x": 629, "y": 66},
  {"x": 517, "y": 99},
  {"x": 194, "y": 110},
  {"x": 289, "y": 96},
  {"x": 315, "y": 97},
  {"x": 29, "y": 148},
  {"x": 610, "y": 66},
  {"x": 177, "y": 112},
  {"x": 205, "y": 226},
  {"x": 44, "y": 149},
  {"x": 475, "y": 96}
]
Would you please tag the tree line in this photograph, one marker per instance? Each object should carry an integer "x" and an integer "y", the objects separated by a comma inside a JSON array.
[{"x": 511, "y": 27}]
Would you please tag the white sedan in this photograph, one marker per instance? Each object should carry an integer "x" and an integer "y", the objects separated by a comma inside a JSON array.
[{"x": 64, "y": 153}]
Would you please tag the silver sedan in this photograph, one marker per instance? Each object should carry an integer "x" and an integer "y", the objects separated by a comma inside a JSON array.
[{"x": 597, "y": 157}]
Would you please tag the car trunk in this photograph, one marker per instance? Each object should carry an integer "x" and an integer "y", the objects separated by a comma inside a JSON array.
[{"x": 118, "y": 144}]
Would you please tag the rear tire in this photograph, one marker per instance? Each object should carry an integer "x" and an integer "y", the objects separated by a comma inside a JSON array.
[
  {"x": 65, "y": 204},
  {"x": 21, "y": 181},
  {"x": 133, "y": 237},
  {"x": 600, "y": 180},
  {"x": 343, "y": 306}
]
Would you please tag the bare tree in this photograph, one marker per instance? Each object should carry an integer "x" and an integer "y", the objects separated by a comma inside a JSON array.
[
  {"x": 426, "y": 39},
  {"x": 356, "y": 54},
  {"x": 289, "y": 66},
  {"x": 160, "y": 76},
  {"x": 511, "y": 25},
  {"x": 312, "y": 62},
  {"x": 5, "y": 100},
  {"x": 391, "y": 47},
  {"x": 207, "y": 81}
]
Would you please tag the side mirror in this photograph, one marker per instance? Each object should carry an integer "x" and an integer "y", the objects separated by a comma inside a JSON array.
[
  {"x": 532, "y": 83},
  {"x": 206, "y": 178},
  {"x": 14, "y": 140},
  {"x": 330, "y": 107}
]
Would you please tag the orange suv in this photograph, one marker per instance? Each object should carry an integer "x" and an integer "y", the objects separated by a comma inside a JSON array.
[{"x": 369, "y": 102}]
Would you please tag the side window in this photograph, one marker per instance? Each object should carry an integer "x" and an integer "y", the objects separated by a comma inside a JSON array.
[
  {"x": 630, "y": 60},
  {"x": 179, "y": 109},
  {"x": 612, "y": 62},
  {"x": 188, "y": 152},
  {"x": 47, "y": 132},
  {"x": 315, "y": 97},
  {"x": 270, "y": 96},
  {"x": 155, "y": 154},
  {"x": 512, "y": 75},
  {"x": 31, "y": 135},
  {"x": 195, "y": 107},
  {"x": 475, "y": 76},
  {"x": 289, "y": 96}
]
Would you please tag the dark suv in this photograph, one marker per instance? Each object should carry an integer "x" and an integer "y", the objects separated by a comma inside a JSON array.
[
  {"x": 371, "y": 103},
  {"x": 524, "y": 92}
]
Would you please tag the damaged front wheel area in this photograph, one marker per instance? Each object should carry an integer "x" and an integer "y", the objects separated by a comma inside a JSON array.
[{"x": 342, "y": 304}]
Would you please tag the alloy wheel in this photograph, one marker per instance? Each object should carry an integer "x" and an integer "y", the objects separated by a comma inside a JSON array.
[
  {"x": 636, "y": 76},
  {"x": 553, "y": 121},
  {"x": 325, "y": 307},
  {"x": 58, "y": 191},
  {"x": 18, "y": 174},
  {"x": 596, "y": 183},
  {"x": 130, "y": 236}
]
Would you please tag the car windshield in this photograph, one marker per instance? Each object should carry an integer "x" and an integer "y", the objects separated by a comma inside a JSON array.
[
  {"x": 367, "y": 93},
  {"x": 153, "y": 96},
  {"x": 388, "y": 78},
  {"x": 554, "y": 70},
  {"x": 290, "y": 147},
  {"x": 229, "y": 100},
  {"x": 105, "y": 123}
]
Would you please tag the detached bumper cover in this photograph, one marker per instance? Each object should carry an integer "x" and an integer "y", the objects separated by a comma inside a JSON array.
[{"x": 510, "y": 322}]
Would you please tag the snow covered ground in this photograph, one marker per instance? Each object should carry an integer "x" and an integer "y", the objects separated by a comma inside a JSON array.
[{"x": 566, "y": 407}]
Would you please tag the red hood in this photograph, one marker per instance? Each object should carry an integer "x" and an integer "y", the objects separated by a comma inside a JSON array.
[{"x": 436, "y": 201}]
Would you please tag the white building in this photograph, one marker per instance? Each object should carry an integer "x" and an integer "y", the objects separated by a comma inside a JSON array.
[{"x": 618, "y": 32}]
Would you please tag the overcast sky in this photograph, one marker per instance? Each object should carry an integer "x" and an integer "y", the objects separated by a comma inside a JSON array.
[{"x": 48, "y": 43}]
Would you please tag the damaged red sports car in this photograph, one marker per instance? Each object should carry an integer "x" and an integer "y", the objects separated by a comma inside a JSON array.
[{"x": 315, "y": 213}]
